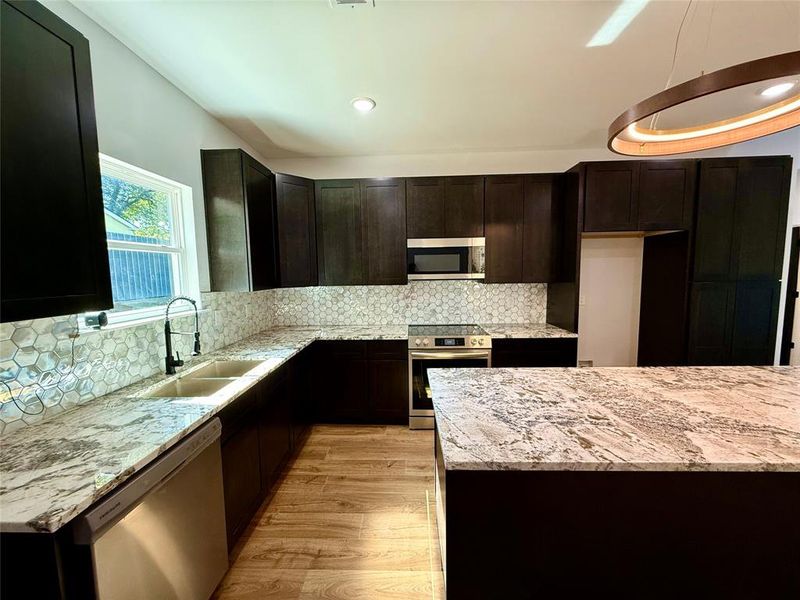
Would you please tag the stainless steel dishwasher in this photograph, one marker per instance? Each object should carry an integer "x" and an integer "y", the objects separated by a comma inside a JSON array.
[{"x": 162, "y": 535}]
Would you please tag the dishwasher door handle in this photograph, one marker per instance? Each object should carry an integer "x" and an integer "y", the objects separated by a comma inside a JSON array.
[{"x": 93, "y": 523}]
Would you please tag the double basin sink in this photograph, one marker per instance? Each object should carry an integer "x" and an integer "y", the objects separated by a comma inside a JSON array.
[{"x": 205, "y": 381}]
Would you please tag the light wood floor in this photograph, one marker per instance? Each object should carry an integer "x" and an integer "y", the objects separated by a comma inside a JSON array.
[{"x": 352, "y": 518}]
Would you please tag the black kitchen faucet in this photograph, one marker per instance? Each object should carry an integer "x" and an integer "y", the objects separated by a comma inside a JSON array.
[{"x": 170, "y": 361}]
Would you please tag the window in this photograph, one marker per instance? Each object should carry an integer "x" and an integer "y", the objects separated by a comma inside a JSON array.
[{"x": 150, "y": 236}]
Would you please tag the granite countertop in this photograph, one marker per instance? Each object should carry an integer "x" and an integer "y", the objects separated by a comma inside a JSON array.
[
  {"x": 619, "y": 419},
  {"x": 53, "y": 471},
  {"x": 527, "y": 330}
]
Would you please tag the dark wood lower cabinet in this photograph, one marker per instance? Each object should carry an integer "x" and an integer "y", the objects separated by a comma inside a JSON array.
[
  {"x": 755, "y": 322},
  {"x": 710, "y": 322},
  {"x": 545, "y": 352},
  {"x": 733, "y": 323},
  {"x": 388, "y": 382},
  {"x": 241, "y": 477},
  {"x": 364, "y": 382},
  {"x": 342, "y": 366},
  {"x": 274, "y": 430}
]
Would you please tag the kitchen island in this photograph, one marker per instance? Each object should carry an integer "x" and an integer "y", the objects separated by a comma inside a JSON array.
[{"x": 657, "y": 482}]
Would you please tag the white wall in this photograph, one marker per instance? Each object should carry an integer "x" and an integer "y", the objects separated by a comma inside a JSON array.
[
  {"x": 611, "y": 284},
  {"x": 146, "y": 121}
]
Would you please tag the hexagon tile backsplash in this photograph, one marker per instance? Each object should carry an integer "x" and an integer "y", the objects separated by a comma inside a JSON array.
[{"x": 37, "y": 360}]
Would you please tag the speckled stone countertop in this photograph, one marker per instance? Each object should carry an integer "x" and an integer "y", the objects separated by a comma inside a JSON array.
[
  {"x": 51, "y": 472},
  {"x": 619, "y": 419},
  {"x": 527, "y": 330}
]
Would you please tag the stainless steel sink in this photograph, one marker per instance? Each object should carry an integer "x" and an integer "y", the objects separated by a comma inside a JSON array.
[
  {"x": 224, "y": 368},
  {"x": 187, "y": 387}
]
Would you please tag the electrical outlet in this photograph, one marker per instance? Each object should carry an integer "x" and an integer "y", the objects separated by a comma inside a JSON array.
[{"x": 582, "y": 300}]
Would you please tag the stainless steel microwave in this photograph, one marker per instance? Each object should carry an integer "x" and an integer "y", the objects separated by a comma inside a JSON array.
[{"x": 447, "y": 258}]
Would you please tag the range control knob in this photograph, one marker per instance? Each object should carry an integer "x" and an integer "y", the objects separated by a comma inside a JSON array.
[
  {"x": 480, "y": 341},
  {"x": 417, "y": 342},
  {"x": 425, "y": 342},
  {"x": 474, "y": 341}
]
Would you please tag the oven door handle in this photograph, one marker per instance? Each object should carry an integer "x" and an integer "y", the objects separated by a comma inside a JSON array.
[{"x": 441, "y": 355}]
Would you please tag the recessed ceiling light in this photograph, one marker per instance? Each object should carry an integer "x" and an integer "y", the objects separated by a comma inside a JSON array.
[
  {"x": 363, "y": 104},
  {"x": 617, "y": 22},
  {"x": 777, "y": 90}
]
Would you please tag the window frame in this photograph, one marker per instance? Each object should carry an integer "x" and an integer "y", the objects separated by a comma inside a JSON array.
[{"x": 182, "y": 247}]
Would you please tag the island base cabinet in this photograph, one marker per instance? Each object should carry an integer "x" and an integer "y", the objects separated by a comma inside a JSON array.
[{"x": 622, "y": 534}]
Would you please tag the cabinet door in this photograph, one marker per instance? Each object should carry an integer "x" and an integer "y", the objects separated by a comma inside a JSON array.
[
  {"x": 384, "y": 205},
  {"x": 504, "y": 228},
  {"x": 241, "y": 477},
  {"x": 612, "y": 191},
  {"x": 558, "y": 352},
  {"x": 388, "y": 382},
  {"x": 274, "y": 430},
  {"x": 296, "y": 231},
  {"x": 761, "y": 209},
  {"x": 463, "y": 207},
  {"x": 716, "y": 209},
  {"x": 260, "y": 202},
  {"x": 711, "y": 323},
  {"x": 755, "y": 322},
  {"x": 342, "y": 368},
  {"x": 425, "y": 206},
  {"x": 539, "y": 229},
  {"x": 53, "y": 255},
  {"x": 340, "y": 248},
  {"x": 666, "y": 194},
  {"x": 301, "y": 396}
]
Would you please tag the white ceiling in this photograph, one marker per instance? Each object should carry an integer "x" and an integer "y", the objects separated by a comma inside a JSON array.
[{"x": 451, "y": 76}]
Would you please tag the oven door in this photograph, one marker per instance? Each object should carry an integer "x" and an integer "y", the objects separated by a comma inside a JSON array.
[{"x": 420, "y": 361}]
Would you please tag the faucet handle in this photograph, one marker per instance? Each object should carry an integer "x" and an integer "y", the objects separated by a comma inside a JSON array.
[{"x": 178, "y": 362}]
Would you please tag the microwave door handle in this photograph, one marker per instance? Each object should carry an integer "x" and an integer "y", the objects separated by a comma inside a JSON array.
[{"x": 438, "y": 355}]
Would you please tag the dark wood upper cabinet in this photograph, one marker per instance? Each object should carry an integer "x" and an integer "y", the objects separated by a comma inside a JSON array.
[
  {"x": 240, "y": 221},
  {"x": 340, "y": 250},
  {"x": 425, "y": 205},
  {"x": 716, "y": 209},
  {"x": 741, "y": 218},
  {"x": 384, "y": 211},
  {"x": 361, "y": 231},
  {"x": 632, "y": 195},
  {"x": 612, "y": 192},
  {"x": 463, "y": 206},
  {"x": 523, "y": 228},
  {"x": 666, "y": 194},
  {"x": 762, "y": 205},
  {"x": 441, "y": 207},
  {"x": 53, "y": 253},
  {"x": 541, "y": 231},
  {"x": 504, "y": 208},
  {"x": 297, "y": 237}
]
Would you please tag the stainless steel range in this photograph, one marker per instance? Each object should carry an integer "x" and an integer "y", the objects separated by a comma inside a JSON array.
[{"x": 443, "y": 347}]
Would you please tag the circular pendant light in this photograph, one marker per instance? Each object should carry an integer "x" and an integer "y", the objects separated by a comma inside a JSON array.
[{"x": 628, "y": 135}]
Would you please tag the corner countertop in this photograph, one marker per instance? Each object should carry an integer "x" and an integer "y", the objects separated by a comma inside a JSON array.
[
  {"x": 527, "y": 331},
  {"x": 53, "y": 471},
  {"x": 619, "y": 419}
]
